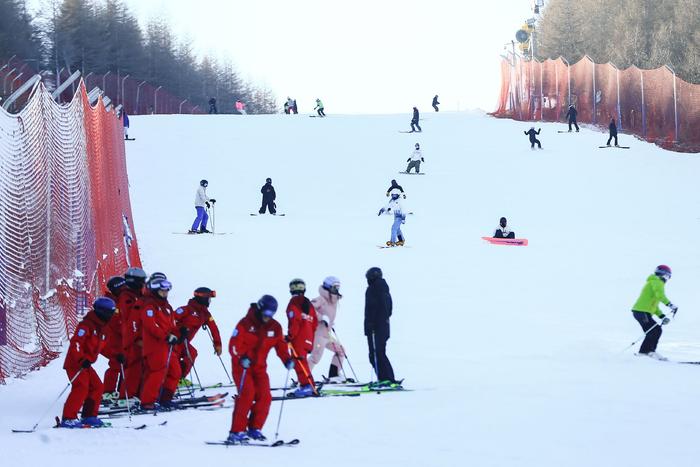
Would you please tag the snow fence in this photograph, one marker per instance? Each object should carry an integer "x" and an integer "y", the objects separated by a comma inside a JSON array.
[{"x": 65, "y": 222}]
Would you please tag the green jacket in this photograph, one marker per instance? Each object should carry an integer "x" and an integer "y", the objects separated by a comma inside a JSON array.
[
  {"x": 652, "y": 294},
  {"x": 319, "y": 104}
]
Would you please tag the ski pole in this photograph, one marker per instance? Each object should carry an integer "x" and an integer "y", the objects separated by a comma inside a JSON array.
[
  {"x": 162, "y": 384},
  {"x": 240, "y": 389},
  {"x": 230, "y": 381},
  {"x": 126, "y": 392},
  {"x": 70, "y": 383},
  {"x": 374, "y": 350},
  {"x": 189, "y": 357},
  {"x": 213, "y": 217},
  {"x": 346, "y": 356},
  {"x": 306, "y": 373},
  {"x": 284, "y": 396}
]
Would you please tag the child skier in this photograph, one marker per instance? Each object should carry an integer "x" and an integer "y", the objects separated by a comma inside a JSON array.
[
  {"x": 612, "y": 127},
  {"x": 300, "y": 334},
  {"x": 200, "y": 201},
  {"x": 326, "y": 306},
  {"x": 571, "y": 115},
  {"x": 319, "y": 106},
  {"x": 268, "y": 197},
  {"x": 86, "y": 387},
  {"x": 533, "y": 138},
  {"x": 502, "y": 231},
  {"x": 415, "y": 160},
  {"x": 647, "y": 305},
  {"x": 397, "y": 238},
  {"x": 249, "y": 345},
  {"x": 394, "y": 184}
]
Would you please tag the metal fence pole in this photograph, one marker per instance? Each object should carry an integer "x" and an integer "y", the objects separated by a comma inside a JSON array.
[
  {"x": 644, "y": 110},
  {"x": 155, "y": 100},
  {"x": 104, "y": 82},
  {"x": 619, "y": 111},
  {"x": 180, "y": 110},
  {"x": 595, "y": 109},
  {"x": 541, "y": 93},
  {"x": 123, "y": 100},
  {"x": 568, "y": 77},
  {"x": 138, "y": 94},
  {"x": 675, "y": 104}
]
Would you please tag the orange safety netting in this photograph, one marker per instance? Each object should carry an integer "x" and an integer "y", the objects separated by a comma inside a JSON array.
[
  {"x": 655, "y": 104},
  {"x": 65, "y": 222}
]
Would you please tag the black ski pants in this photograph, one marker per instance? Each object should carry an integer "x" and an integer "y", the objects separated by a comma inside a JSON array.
[
  {"x": 610, "y": 139},
  {"x": 573, "y": 122},
  {"x": 436, "y": 107},
  {"x": 321, "y": 113},
  {"x": 269, "y": 204},
  {"x": 415, "y": 125},
  {"x": 378, "y": 358},
  {"x": 652, "y": 338},
  {"x": 413, "y": 165},
  {"x": 499, "y": 234},
  {"x": 534, "y": 141}
]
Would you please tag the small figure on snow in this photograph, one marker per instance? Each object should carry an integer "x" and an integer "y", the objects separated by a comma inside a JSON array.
[
  {"x": 326, "y": 306},
  {"x": 300, "y": 335},
  {"x": 415, "y": 120},
  {"x": 395, "y": 185},
  {"x": 212, "y": 106},
  {"x": 394, "y": 206},
  {"x": 201, "y": 201},
  {"x": 415, "y": 160},
  {"x": 647, "y": 305},
  {"x": 319, "y": 108},
  {"x": 612, "y": 127},
  {"x": 240, "y": 108},
  {"x": 502, "y": 231},
  {"x": 378, "y": 309},
  {"x": 571, "y": 115},
  {"x": 268, "y": 197},
  {"x": 436, "y": 103},
  {"x": 125, "y": 123},
  {"x": 533, "y": 137}
]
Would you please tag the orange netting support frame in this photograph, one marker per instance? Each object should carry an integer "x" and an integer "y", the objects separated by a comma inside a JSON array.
[{"x": 655, "y": 105}]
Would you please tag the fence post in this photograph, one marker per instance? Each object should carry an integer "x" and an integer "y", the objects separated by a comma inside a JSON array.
[
  {"x": 122, "y": 101},
  {"x": 138, "y": 93},
  {"x": 541, "y": 93},
  {"x": 644, "y": 110},
  {"x": 556, "y": 87},
  {"x": 155, "y": 100},
  {"x": 619, "y": 111},
  {"x": 104, "y": 82},
  {"x": 4, "y": 81},
  {"x": 568, "y": 78},
  {"x": 12, "y": 84},
  {"x": 180, "y": 110},
  {"x": 675, "y": 104},
  {"x": 595, "y": 107}
]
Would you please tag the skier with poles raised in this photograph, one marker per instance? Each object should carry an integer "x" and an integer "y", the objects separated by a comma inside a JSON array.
[
  {"x": 303, "y": 323},
  {"x": 394, "y": 206},
  {"x": 378, "y": 309},
  {"x": 252, "y": 339},
  {"x": 647, "y": 305},
  {"x": 201, "y": 201},
  {"x": 326, "y": 306},
  {"x": 85, "y": 346}
]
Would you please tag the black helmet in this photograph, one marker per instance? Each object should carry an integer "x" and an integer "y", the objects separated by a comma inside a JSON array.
[
  {"x": 115, "y": 283},
  {"x": 135, "y": 278},
  {"x": 297, "y": 287},
  {"x": 203, "y": 295},
  {"x": 373, "y": 274},
  {"x": 268, "y": 180},
  {"x": 104, "y": 308},
  {"x": 203, "y": 183}
]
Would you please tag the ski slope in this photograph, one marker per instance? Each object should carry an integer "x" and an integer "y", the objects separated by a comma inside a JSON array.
[{"x": 515, "y": 353}]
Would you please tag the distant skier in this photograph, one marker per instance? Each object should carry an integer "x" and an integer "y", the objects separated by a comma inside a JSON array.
[
  {"x": 394, "y": 184},
  {"x": 212, "y": 106},
  {"x": 648, "y": 305},
  {"x": 294, "y": 107},
  {"x": 502, "y": 231},
  {"x": 415, "y": 160},
  {"x": 240, "y": 108},
  {"x": 201, "y": 200},
  {"x": 378, "y": 310},
  {"x": 125, "y": 123},
  {"x": 414, "y": 121},
  {"x": 268, "y": 197},
  {"x": 571, "y": 115},
  {"x": 394, "y": 207},
  {"x": 533, "y": 138},
  {"x": 286, "y": 107},
  {"x": 326, "y": 305},
  {"x": 436, "y": 103},
  {"x": 303, "y": 322},
  {"x": 252, "y": 339},
  {"x": 319, "y": 106},
  {"x": 612, "y": 127}
]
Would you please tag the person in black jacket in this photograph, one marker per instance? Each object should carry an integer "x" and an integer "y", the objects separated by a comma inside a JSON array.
[
  {"x": 571, "y": 115},
  {"x": 533, "y": 138},
  {"x": 613, "y": 131},
  {"x": 436, "y": 103},
  {"x": 394, "y": 184},
  {"x": 212, "y": 106},
  {"x": 268, "y": 197},
  {"x": 414, "y": 121},
  {"x": 377, "y": 313}
]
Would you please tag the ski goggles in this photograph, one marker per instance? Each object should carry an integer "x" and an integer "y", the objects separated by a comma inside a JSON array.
[
  {"x": 161, "y": 285},
  {"x": 268, "y": 313},
  {"x": 210, "y": 294},
  {"x": 334, "y": 289}
]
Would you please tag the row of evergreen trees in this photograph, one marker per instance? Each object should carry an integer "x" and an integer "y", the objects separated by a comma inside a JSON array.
[
  {"x": 103, "y": 35},
  {"x": 645, "y": 33}
]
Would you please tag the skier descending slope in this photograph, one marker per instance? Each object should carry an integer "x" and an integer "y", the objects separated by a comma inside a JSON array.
[
  {"x": 326, "y": 306},
  {"x": 300, "y": 335},
  {"x": 533, "y": 137},
  {"x": 268, "y": 197},
  {"x": 415, "y": 120},
  {"x": 394, "y": 206},
  {"x": 415, "y": 160},
  {"x": 200, "y": 201},
  {"x": 612, "y": 127},
  {"x": 249, "y": 345},
  {"x": 648, "y": 304},
  {"x": 436, "y": 103}
]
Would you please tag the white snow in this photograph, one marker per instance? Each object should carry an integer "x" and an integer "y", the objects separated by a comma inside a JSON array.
[{"x": 515, "y": 353}]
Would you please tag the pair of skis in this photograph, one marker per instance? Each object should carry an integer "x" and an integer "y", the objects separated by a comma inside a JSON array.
[{"x": 274, "y": 444}]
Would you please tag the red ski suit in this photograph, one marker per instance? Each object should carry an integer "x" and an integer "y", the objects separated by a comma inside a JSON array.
[
  {"x": 128, "y": 305},
  {"x": 157, "y": 323},
  {"x": 193, "y": 316},
  {"x": 113, "y": 345},
  {"x": 86, "y": 391},
  {"x": 302, "y": 326},
  {"x": 253, "y": 339}
]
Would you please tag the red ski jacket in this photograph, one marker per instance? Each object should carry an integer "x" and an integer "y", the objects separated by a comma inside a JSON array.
[
  {"x": 303, "y": 322},
  {"x": 113, "y": 330},
  {"x": 253, "y": 339},
  {"x": 192, "y": 316},
  {"x": 128, "y": 307},
  {"x": 86, "y": 343},
  {"x": 157, "y": 322}
]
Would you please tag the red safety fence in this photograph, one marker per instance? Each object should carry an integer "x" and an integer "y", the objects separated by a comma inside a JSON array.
[
  {"x": 65, "y": 222},
  {"x": 655, "y": 105}
]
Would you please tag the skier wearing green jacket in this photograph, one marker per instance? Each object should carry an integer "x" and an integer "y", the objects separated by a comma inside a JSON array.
[
  {"x": 647, "y": 305},
  {"x": 319, "y": 106}
]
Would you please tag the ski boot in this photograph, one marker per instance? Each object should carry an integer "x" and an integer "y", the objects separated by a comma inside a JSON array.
[
  {"x": 134, "y": 403},
  {"x": 184, "y": 383},
  {"x": 203, "y": 230},
  {"x": 192, "y": 232},
  {"x": 304, "y": 391},
  {"x": 386, "y": 384},
  {"x": 254, "y": 433},
  {"x": 93, "y": 422},
  {"x": 390, "y": 243},
  {"x": 71, "y": 423},
  {"x": 401, "y": 241},
  {"x": 657, "y": 356},
  {"x": 237, "y": 438}
]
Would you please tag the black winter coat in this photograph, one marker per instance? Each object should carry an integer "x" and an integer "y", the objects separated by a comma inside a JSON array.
[
  {"x": 571, "y": 114},
  {"x": 531, "y": 133},
  {"x": 613, "y": 128},
  {"x": 394, "y": 185},
  {"x": 435, "y": 101},
  {"x": 377, "y": 308},
  {"x": 415, "y": 116},
  {"x": 268, "y": 192}
]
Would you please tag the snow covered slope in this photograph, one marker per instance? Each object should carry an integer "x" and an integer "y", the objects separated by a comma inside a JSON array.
[{"x": 515, "y": 353}]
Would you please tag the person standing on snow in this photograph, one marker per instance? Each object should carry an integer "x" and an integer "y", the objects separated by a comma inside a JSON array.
[
  {"x": 125, "y": 122},
  {"x": 319, "y": 106},
  {"x": 113, "y": 349},
  {"x": 303, "y": 322},
  {"x": 326, "y": 306},
  {"x": 251, "y": 341},
  {"x": 571, "y": 115},
  {"x": 200, "y": 201},
  {"x": 129, "y": 305},
  {"x": 436, "y": 103},
  {"x": 212, "y": 106},
  {"x": 86, "y": 387},
  {"x": 612, "y": 127},
  {"x": 415, "y": 120},
  {"x": 240, "y": 108},
  {"x": 378, "y": 309},
  {"x": 268, "y": 197},
  {"x": 395, "y": 185},
  {"x": 647, "y": 305},
  {"x": 502, "y": 231},
  {"x": 394, "y": 206},
  {"x": 533, "y": 137},
  {"x": 415, "y": 160}
]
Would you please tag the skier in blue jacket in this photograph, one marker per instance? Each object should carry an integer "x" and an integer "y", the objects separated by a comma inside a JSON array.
[{"x": 394, "y": 206}]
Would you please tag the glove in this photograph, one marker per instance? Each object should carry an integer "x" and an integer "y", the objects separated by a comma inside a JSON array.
[
  {"x": 121, "y": 358},
  {"x": 404, "y": 196},
  {"x": 422, "y": 160},
  {"x": 673, "y": 308},
  {"x": 287, "y": 339},
  {"x": 171, "y": 339},
  {"x": 408, "y": 160},
  {"x": 212, "y": 201},
  {"x": 245, "y": 362},
  {"x": 381, "y": 211},
  {"x": 217, "y": 350},
  {"x": 184, "y": 333},
  {"x": 208, "y": 205},
  {"x": 664, "y": 320},
  {"x": 86, "y": 363},
  {"x": 387, "y": 194},
  {"x": 289, "y": 364}
]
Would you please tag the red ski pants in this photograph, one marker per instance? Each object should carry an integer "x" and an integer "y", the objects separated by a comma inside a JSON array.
[
  {"x": 185, "y": 362},
  {"x": 133, "y": 374},
  {"x": 254, "y": 398},
  {"x": 302, "y": 365},
  {"x": 86, "y": 392},
  {"x": 157, "y": 375},
  {"x": 112, "y": 374}
]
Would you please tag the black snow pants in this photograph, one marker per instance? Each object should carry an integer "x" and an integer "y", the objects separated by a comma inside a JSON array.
[
  {"x": 269, "y": 204},
  {"x": 652, "y": 338},
  {"x": 377, "y": 357}
]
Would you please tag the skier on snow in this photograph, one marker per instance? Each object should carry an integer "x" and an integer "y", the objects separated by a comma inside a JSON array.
[
  {"x": 415, "y": 160},
  {"x": 502, "y": 231},
  {"x": 125, "y": 123},
  {"x": 113, "y": 349},
  {"x": 85, "y": 346},
  {"x": 212, "y": 106},
  {"x": 612, "y": 127},
  {"x": 436, "y": 103},
  {"x": 571, "y": 115},
  {"x": 647, "y": 305},
  {"x": 394, "y": 184},
  {"x": 415, "y": 120},
  {"x": 249, "y": 345},
  {"x": 128, "y": 303},
  {"x": 319, "y": 106},
  {"x": 303, "y": 322},
  {"x": 200, "y": 201},
  {"x": 394, "y": 206},
  {"x": 533, "y": 138},
  {"x": 378, "y": 309},
  {"x": 268, "y": 197},
  {"x": 326, "y": 306}
]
